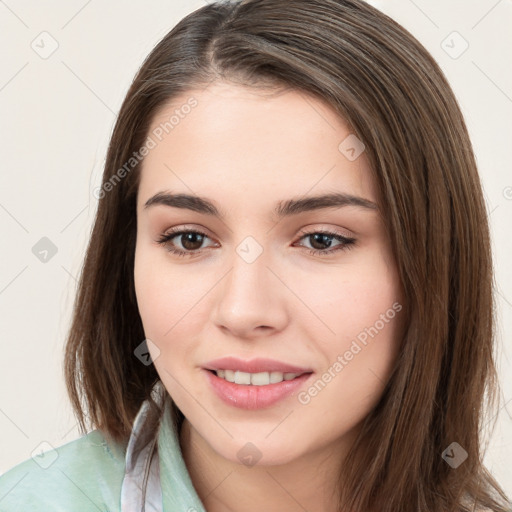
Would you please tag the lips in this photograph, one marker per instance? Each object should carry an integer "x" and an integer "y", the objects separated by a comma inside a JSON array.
[
  {"x": 247, "y": 395},
  {"x": 254, "y": 365},
  {"x": 254, "y": 397}
]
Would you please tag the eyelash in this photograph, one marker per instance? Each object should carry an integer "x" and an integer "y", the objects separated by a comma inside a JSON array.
[{"x": 347, "y": 243}]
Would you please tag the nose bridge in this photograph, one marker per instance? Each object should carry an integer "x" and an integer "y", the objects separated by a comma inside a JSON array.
[
  {"x": 249, "y": 296},
  {"x": 247, "y": 285}
]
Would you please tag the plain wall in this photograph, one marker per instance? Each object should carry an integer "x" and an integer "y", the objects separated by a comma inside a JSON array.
[{"x": 57, "y": 113}]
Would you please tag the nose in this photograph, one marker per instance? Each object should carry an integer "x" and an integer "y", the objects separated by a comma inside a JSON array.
[{"x": 251, "y": 301}]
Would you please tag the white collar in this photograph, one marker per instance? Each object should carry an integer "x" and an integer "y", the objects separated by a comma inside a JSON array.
[
  {"x": 156, "y": 477},
  {"x": 141, "y": 490}
]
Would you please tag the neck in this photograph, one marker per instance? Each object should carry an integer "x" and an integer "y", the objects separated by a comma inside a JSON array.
[{"x": 309, "y": 482}]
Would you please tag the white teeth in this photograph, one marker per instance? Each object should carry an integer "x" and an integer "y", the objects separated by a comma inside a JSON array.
[
  {"x": 242, "y": 378},
  {"x": 275, "y": 377},
  {"x": 260, "y": 379},
  {"x": 255, "y": 379}
]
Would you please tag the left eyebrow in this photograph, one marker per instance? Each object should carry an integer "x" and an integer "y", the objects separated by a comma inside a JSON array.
[
  {"x": 287, "y": 208},
  {"x": 334, "y": 200}
]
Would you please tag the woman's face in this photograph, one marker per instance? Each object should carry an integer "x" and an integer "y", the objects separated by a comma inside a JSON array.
[{"x": 247, "y": 172}]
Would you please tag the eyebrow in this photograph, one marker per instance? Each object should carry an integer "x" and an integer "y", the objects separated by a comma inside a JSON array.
[{"x": 286, "y": 208}]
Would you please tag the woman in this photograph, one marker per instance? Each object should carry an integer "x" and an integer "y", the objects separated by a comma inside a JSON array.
[{"x": 277, "y": 309}]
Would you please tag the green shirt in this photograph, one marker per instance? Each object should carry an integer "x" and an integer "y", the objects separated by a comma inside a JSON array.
[{"x": 93, "y": 474}]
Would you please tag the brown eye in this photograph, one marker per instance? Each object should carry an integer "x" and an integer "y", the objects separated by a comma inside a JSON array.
[
  {"x": 321, "y": 241},
  {"x": 183, "y": 242},
  {"x": 191, "y": 241}
]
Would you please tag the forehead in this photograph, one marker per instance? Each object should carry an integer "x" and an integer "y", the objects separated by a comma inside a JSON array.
[{"x": 252, "y": 142}]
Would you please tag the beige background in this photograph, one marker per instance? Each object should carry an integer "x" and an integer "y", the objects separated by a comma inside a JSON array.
[{"x": 57, "y": 113}]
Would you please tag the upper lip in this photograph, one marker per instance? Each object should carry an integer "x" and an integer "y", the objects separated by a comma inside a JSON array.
[{"x": 254, "y": 365}]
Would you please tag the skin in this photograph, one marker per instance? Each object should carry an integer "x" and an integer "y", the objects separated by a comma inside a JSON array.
[{"x": 246, "y": 151}]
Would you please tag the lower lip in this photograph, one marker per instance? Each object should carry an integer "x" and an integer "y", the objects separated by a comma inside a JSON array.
[{"x": 247, "y": 396}]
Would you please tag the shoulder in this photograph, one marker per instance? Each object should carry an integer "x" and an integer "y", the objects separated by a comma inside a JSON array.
[{"x": 84, "y": 474}]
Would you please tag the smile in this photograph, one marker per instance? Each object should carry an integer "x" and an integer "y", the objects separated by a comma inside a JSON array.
[{"x": 254, "y": 390}]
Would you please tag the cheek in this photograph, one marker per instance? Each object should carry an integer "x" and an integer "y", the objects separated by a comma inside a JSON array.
[
  {"x": 168, "y": 300},
  {"x": 154, "y": 300},
  {"x": 358, "y": 360},
  {"x": 152, "y": 291},
  {"x": 361, "y": 310},
  {"x": 350, "y": 300}
]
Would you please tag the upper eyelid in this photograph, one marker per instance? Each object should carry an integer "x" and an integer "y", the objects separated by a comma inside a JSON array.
[
  {"x": 330, "y": 231},
  {"x": 303, "y": 231}
]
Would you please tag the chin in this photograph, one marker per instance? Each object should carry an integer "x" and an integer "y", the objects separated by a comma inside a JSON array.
[{"x": 262, "y": 452}]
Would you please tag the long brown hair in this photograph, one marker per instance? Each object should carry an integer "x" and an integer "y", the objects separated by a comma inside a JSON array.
[{"x": 394, "y": 96}]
